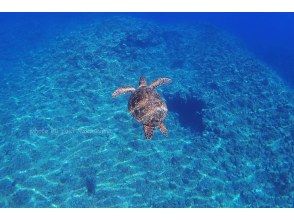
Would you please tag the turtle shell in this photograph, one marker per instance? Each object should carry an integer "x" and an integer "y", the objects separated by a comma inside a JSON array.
[{"x": 147, "y": 106}]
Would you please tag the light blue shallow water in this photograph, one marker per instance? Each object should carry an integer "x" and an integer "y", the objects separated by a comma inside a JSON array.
[{"x": 64, "y": 141}]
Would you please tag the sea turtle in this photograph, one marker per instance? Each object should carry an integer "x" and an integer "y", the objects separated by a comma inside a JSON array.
[{"x": 146, "y": 105}]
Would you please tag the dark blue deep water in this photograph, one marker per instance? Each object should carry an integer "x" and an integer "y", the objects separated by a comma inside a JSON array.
[{"x": 65, "y": 142}]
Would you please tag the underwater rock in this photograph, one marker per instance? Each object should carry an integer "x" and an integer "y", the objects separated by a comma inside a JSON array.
[
  {"x": 7, "y": 187},
  {"x": 90, "y": 185},
  {"x": 21, "y": 198}
]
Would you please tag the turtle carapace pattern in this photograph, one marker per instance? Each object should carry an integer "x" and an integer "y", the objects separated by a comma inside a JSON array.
[{"x": 146, "y": 105}]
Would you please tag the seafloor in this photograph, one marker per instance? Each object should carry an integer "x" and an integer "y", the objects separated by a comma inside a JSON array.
[{"x": 64, "y": 142}]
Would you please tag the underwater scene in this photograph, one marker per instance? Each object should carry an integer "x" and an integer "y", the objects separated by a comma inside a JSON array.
[{"x": 146, "y": 110}]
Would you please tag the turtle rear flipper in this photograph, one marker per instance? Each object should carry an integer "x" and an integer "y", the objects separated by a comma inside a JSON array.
[
  {"x": 123, "y": 90},
  {"x": 163, "y": 129},
  {"x": 148, "y": 131},
  {"x": 160, "y": 81}
]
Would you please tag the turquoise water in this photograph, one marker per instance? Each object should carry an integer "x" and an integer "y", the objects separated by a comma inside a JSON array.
[{"x": 64, "y": 141}]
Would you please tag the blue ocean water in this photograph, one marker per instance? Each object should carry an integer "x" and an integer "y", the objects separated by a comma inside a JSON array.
[{"x": 65, "y": 142}]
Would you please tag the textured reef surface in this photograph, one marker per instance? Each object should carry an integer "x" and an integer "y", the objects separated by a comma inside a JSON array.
[{"x": 64, "y": 142}]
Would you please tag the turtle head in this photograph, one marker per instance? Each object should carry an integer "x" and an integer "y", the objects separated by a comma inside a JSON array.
[{"x": 143, "y": 81}]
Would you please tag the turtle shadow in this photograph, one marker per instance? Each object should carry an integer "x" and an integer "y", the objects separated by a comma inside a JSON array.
[{"x": 189, "y": 110}]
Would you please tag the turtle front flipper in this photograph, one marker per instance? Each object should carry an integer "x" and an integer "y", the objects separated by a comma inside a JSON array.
[
  {"x": 148, "y": 131},
  {"x": 163, "y": 129},
  {"x": 159, "y": 82},
  {"x": 123, "y": 90}
]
